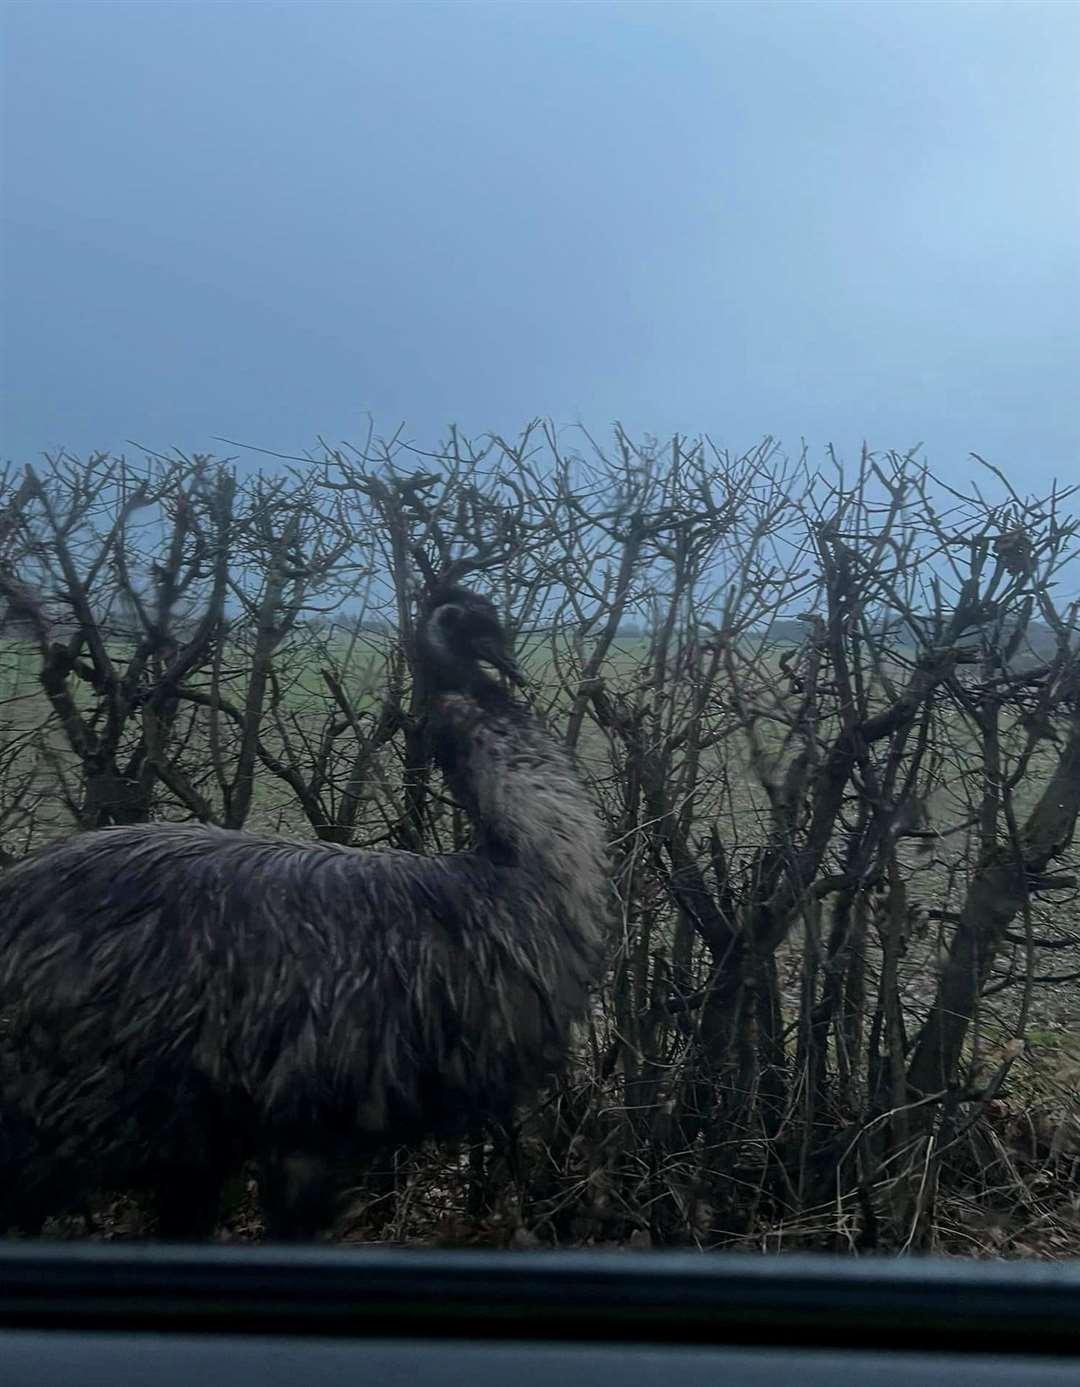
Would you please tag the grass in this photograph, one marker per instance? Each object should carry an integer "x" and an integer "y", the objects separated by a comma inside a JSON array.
[{"x": 1044, "y": 1085}]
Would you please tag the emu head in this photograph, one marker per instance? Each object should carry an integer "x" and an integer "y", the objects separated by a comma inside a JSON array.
[{"x": 461, "y": 632}]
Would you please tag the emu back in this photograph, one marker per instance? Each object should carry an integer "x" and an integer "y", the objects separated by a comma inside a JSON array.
[{"x": 162, "y": 982}]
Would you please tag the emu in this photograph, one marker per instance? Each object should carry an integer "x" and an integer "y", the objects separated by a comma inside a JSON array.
[{"x": 180, "y": 999}]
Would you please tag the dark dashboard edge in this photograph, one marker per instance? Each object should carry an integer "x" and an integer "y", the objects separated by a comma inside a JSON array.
[{"x": 910, "y": 1303}]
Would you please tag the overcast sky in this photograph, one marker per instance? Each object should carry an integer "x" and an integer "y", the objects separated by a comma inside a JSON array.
[{"x": 265, "y": 221}]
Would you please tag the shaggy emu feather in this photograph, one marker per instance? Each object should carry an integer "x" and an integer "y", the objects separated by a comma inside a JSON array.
[{"x": 179, "y": 999}]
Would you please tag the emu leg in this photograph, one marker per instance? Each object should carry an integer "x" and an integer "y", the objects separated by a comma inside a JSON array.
[
  {"x": 188, "y": 1203},
  {"x": 504, "y": 1161},
  {"x": 188, "y": 1190},
  {"x": 29, "y": 1204},
  {"x": 506, "y": 1153},
  {"x": 298, "y": 1194},
  {"x": 26, "y": 1217},
  {"x": 35, "y": 1185}
]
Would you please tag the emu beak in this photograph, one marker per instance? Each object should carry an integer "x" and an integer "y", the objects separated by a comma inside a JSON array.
[
  {"x": 513, "y": 672},
  {"x": 493, "y": 654}
]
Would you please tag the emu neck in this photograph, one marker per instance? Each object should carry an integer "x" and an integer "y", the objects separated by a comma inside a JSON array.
[{"x": 520, "y": 789}]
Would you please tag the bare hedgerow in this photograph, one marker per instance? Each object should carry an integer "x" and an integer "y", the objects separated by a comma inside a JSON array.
[{"x": 830, "y": 719}]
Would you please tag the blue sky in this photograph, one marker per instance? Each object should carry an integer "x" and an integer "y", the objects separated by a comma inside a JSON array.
[{"x": 264, "y": 221}]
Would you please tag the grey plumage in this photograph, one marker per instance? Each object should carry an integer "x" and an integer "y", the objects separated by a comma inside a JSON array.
[{"x": 180, "y": 998}]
